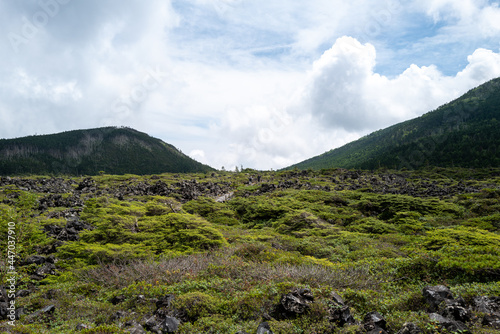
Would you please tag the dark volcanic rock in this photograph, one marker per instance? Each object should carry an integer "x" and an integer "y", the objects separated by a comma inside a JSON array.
[
  {"x": 46, "y": 311},
  {"x": 44, "y": 271},
  {"x": 339, "y": 312},
  {"x": 434, "y": 295},
  {"x": 117, "y": 299},
  {"x": 491, "y": 320},
  {"x": 169, "y": 325},
  {"x": 264, "y": 328},
  {"x": 374, "y": 322},
  {"x": 486, "y": 304},
  {"x": 57, "y": 200},
  {"x": 34, "y": 259},
  {"x": 136, "y": 329},
  {"x": 23, "y": 293},
  {"x": 87, "y": 185},
  {"x": 69, "y": 232},
  {"x": 454, "y": 309},
  {"x": 409, "y": 328},
  {"x": 449, "y": 324},
  {"x": 491, "y": 307},
  {"x": 292, "y": 304}
]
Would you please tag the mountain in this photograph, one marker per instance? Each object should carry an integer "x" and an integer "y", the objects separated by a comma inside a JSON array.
[
  {"x": 111, "y": 150},
  {"x": 462, "y": 133}
]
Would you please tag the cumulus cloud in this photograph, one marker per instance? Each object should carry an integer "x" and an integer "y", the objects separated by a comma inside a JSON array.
[
  {"x": 259, "y": 83},
  {"x": 344, "y": 92}
]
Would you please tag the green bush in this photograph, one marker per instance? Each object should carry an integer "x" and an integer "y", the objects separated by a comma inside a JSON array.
[
  {"x": 196, "y": 305},
  {"x": 371, "y": 225},
  {"x": 214, "y": 212}
]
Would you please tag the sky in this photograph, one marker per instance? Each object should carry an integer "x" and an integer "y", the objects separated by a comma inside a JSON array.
[{"x": 231, "y": 83}]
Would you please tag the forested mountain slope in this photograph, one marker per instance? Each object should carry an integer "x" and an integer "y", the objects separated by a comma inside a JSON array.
[
  {"x": 87, "y": 152},
  {"x": 462, "y": 133}
]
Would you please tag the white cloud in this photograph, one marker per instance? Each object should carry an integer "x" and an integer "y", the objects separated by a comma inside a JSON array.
[
  {"x": 259, "y": 83},
  {"x": 344, "y": 92}
]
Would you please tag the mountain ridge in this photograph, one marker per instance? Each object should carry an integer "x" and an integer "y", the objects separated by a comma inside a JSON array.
[
  {"x": 113, "y": 150},
  {"x": 461, "y": 133}
]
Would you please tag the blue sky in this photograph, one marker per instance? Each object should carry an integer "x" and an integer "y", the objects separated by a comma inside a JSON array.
[{"x": 263, "y": 84}]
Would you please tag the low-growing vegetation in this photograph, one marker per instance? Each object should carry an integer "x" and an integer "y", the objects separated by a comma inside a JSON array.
[{"x": 218, "y": 252}]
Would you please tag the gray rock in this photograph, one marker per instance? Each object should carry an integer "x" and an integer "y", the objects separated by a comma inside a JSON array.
[
  {"x": 136, "y": 329},
  {"x": 23, "y": 293},
  {"x": 264, "y": 328},
  {"x": 339, "y": 312},
  {"x": 47, "y": 310},
  {"x": 80, "y": 327},
  {"x": 293, "y": 304},
  {"x": 44, "y": 271},
  {"x": 454, "y": 309},
  {"x": 152, "y": 325},
  {"x": 170, "y": 325},
  {"x": 486, "y": 304},
  {"x": 434, "y": 295},
  {"x": 449, "y": 324},
  {"x": 117, "y": 299},
  {"x": 409, "y": 328},
  {"x": 374, "y": 320},
  {"x": 34, "y": 259},
  {"x": 491, "y": 320}
]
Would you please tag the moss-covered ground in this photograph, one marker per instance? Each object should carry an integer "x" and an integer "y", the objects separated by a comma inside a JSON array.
[{"x": 229, "y": 254}]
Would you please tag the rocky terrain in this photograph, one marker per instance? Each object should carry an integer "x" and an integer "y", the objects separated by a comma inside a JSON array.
[{"x": 336, "y": 251}]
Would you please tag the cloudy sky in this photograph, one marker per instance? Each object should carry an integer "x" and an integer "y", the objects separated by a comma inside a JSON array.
[{"x": 258, "y": 83}]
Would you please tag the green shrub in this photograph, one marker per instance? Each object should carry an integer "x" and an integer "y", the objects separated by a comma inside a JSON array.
[
  {"x": 463, "y": 236},
  {"x": 371, "y": 225},
  {"x": 298, "y": 220},
  {"x": 490, "y": 223},
  {"x": 196, "y": 305},
  {"x": 80, "y": 252},
  {"x": 214, "y": 212}
]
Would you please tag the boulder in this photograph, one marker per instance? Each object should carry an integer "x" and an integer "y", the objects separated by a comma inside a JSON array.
[
  {"x": 491, "y": 320},
  {"x": 136, "y": 329},
  {"x": 47, "y": 310},
  {"x": 375, "y": 318},
  {"x": 264, "y": 328},
  {"x": 486, "y": 304},
  {"x": 34, "y": 259},
  {"x": 293, "y": 304},
  {"x": 491, "y": 307},
  {"x": 152, "y": 325},
  {"x": 434, "y": 295},
  {"x": 409, "y": 328},
  {"x": 169, "y": 325},
  {"x": 339, "y": 312},
  {"x": 23, "y": 293},
  {"x": 374, "y": 322},
  {"x": 454, "y": 309},
  {"x": 87, "y": 185},
  {"x": 81, "y": 327},
  {"x": 449, "y": 324},
  {"x": 163, "y": 307},
  {"x": 44, "y": 271},
  {"x": 117, "y": 299},
  {"x": 3, "y": 310}
]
